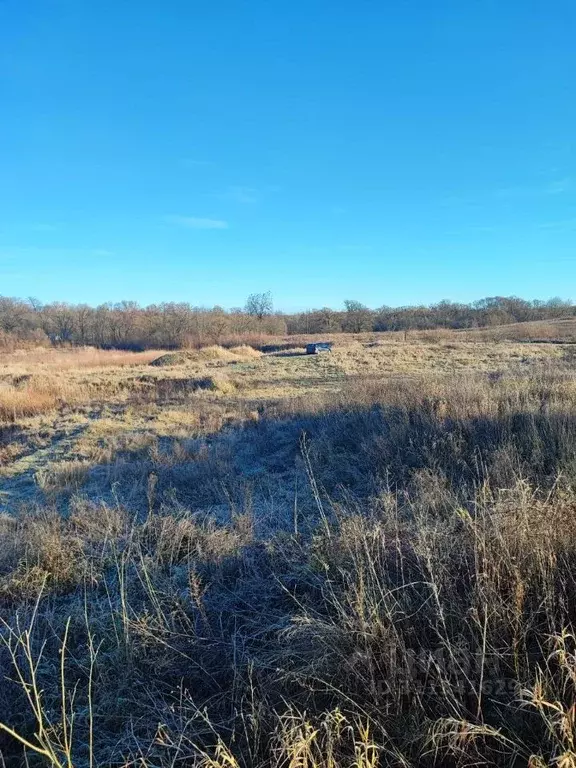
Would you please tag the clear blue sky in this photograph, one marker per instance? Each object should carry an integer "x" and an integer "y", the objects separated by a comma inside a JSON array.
[{"x": 391, "y": 152}]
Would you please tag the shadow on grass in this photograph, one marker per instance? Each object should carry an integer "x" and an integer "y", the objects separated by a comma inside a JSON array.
[
  {"x": 362, "y": 452},
  {"x": 389, "y": 579}
]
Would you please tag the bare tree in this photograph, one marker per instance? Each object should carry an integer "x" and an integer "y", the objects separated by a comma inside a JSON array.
[
  {"x": 259, "y": 305},
  {"x": 84, "y": 315},
  {"x": 358, "y": 317},
  {"x": 35, "y": 303},
  {"x": 61, "y": 322}
]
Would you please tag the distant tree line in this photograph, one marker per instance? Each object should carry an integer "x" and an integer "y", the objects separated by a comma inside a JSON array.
[
  {"x": 497, "y": 310},
  {"x": 127, "y": 325}
]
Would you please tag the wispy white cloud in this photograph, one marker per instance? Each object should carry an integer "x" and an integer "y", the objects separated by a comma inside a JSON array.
[
  {"x": 195, "y": 222},
  {"x": 556, "y": 187},
  {"x": 561, "y": 225},
  {"x": 244, "y": 195},
  {"x": 560, "y": 186}
]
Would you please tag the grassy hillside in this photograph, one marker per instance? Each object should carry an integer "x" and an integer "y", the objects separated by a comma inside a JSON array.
[
  {"x": 222, "y": 558},
  {"x": 560, "y": 331}
]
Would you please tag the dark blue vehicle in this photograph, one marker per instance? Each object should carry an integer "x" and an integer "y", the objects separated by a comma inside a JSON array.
[{"x": 318, "y": 346}]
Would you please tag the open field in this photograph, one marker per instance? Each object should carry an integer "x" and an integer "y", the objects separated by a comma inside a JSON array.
[
  {"x": 560, "y": 330},
  {"x": 223, "y": 558}
]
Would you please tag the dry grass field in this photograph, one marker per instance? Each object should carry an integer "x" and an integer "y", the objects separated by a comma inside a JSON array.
[{"x": 230, "y": 559}]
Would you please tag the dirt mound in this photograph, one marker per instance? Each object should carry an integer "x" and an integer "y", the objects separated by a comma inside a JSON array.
[
  {"x": 170, "y": 358},
  {"x": 213, "y": 353},
  {"x": 245, "y": 351}
]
